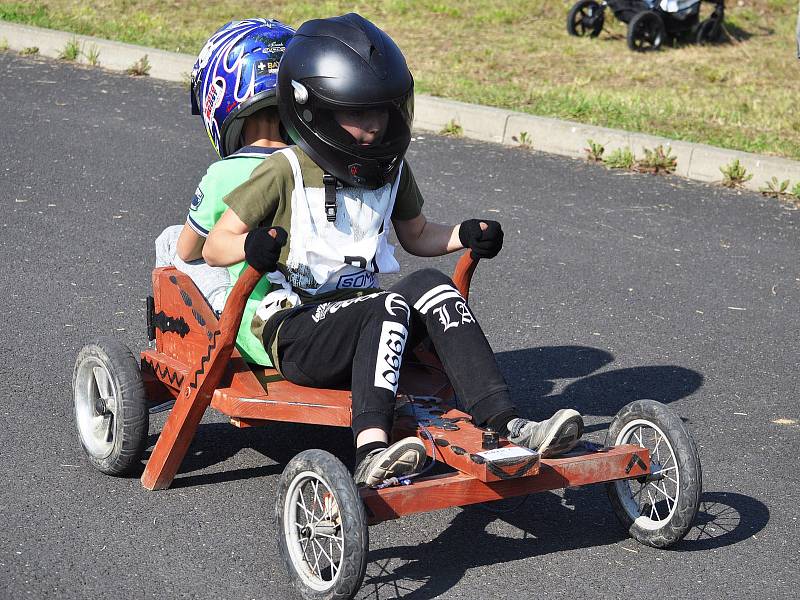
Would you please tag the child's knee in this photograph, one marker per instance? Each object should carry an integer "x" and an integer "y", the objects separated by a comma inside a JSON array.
[{"x": 431, "y": 278}]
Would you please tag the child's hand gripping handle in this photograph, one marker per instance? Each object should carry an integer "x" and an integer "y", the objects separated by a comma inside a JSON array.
[
  {"x": 262, "y": 248},
  {"x": 484, "y": 238}
]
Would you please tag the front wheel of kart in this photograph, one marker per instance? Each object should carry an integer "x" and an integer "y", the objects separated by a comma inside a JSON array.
[
  {"x": 586, "y": 17},
  {"x": 657, "y": 510},
  {"x": 646, "y": 31},
  {"x": 110, "y": 406},
  {"x": 322, "y": 527}
]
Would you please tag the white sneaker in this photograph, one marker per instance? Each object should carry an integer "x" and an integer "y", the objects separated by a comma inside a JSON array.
[
  {"x": 557, "y": 435},
  {"x": 401, "y": 458}
]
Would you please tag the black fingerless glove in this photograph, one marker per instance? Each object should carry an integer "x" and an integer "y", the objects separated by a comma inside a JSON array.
[
  {"x": 262, "y": 251},
  {"x": 483, "y": 243}
]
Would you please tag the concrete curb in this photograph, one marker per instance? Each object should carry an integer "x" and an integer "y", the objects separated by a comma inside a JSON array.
[{"x": 694, "y": 161}]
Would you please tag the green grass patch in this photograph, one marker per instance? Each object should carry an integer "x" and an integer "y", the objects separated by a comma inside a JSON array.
[
  {"x": 621, "y": 158},
  {"x": 734, "y": 175},
  {"x": 92, "y": 54},
  {"x": 141, "y": 68},
  {"x": 516, "y": 54},
  {"x": 452, "y": 129},
  {"x": 71, "y": 50}
]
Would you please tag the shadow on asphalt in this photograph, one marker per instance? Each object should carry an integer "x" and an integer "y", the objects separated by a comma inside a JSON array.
[
  {"x": 532, "y": 374},
  {"x": 215, "y": 443},
  {"x": 546, "y": 523}
]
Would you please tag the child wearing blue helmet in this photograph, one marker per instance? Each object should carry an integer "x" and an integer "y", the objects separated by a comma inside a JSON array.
[
  {"x": 233, "y": 86},
  {"x": 315, "y": 217}
]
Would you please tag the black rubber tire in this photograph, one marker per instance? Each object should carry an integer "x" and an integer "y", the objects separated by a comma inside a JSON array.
[
  {"x": 130, "y": 425},
  {"x": 577, "y": 22},
  {"x": 708, "y": 31},
  {"x": 352, "y": 524},
  {"x": 689, "y": 472},
  {"x": 646, "y": 31}
]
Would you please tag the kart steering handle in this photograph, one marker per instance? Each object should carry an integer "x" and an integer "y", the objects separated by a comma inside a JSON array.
[
  {"x": 462, "y": 276},
  {"x": 234, "y": 307}
]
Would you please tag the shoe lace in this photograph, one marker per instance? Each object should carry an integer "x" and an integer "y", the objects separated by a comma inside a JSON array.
[
  {"x": 516, "y": 427},
  {"x": 407, "y": 479}
]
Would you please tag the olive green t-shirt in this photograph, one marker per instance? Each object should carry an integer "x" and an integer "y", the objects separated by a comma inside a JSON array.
[{"x": 266, "y": 198}]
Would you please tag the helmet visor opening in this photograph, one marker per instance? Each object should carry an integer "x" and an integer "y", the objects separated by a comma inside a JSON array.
[{"x": 395, "y": 127}]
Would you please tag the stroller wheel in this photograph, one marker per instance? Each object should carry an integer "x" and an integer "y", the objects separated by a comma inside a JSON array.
[
  {"x": 646, "y": 31},
  {"x": 586, "y": 17},
  {"x": 708, "y": 31}
]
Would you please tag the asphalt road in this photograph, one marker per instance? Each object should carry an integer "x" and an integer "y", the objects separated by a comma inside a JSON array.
[{"x": 612, "y": 287}]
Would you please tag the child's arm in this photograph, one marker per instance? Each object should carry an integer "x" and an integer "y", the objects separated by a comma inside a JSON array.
[
  {"x": 225, "y": 243},
  {"x": 231, "y": 241},
  {"x": 190, "y": 244},
  {"x": 421, "y": 238}
]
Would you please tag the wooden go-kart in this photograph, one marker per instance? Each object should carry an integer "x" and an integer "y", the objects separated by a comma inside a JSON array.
[{"x": 649, "y": 463}]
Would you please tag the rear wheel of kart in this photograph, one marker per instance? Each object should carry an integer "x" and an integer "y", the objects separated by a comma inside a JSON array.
[
  {"x": 322, "y": 527},
  {"x": 657, "y": 510},
  {"x": 110, "y": 406},
  {"x": 708, "y": 31},
  {"x": 646, "y": 31},
  {"x": 586, "y": 17}
]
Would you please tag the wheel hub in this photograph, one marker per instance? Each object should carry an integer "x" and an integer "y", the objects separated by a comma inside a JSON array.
[
  {"x": 318, "y": 530},
  {"x": 656, "y": 473},
  {"x": 100, "y": 406}
]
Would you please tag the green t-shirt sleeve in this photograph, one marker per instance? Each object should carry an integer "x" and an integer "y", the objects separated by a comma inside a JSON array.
[
  {"x": 270, "y": 185},
  {"x": 206, "y": 207},
  {"x": 409, "y": 201}
]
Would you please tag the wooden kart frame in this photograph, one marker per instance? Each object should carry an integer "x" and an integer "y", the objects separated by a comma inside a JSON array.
[{"x": 194, "y": 362}]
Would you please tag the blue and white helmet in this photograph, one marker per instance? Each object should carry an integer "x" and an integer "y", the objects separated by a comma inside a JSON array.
[{"x": 235, "y": 75}]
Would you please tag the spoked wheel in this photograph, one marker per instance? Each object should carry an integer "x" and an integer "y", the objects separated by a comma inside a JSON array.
[
  {"x": 658, "y": 509},
  {"x": 586, "y": 17},
  {"x": 110, "y": 406},
  {"x": 708, "y": 31},
  {"x": 646, "y": 31},
  {"x": 322, "y": 527}
]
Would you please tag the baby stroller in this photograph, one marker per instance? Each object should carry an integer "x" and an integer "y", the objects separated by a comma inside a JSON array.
[{"x": 649, "y": 21}]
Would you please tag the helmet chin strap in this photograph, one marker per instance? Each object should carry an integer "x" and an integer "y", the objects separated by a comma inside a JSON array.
[{"x": 330, "y": 183}]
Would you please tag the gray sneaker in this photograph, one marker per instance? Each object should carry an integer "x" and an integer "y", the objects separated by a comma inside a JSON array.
[
  {"x": 557, "y": 435},
  {"x": 401, "y": 458}
]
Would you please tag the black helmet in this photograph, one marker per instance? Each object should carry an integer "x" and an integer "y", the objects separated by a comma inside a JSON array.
[{"x": 346, "y": 63}]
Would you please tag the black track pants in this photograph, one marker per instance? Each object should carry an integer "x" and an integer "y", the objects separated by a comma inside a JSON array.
[{"x": 358, "y": 344}]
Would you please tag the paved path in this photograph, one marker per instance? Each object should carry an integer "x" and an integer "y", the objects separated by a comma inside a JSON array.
[{"x": 611, "y": 287}]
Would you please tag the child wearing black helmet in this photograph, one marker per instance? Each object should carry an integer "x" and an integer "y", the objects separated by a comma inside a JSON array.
[
  {"x": 233, "y": 89},
  {"x": 316, "y": 217}
]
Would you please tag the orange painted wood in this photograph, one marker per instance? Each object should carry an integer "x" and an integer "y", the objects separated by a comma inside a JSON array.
[
  {"x": 288, "y": 402},
  {"x": 177, "y": 297},
  {"x": 459, "y": 489},
  {"x": 196, "y": 391},
  {"x": 167, "y": 370},
  {"x": 462, "y": 276},
  {"x": 456, "y": 448}
]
